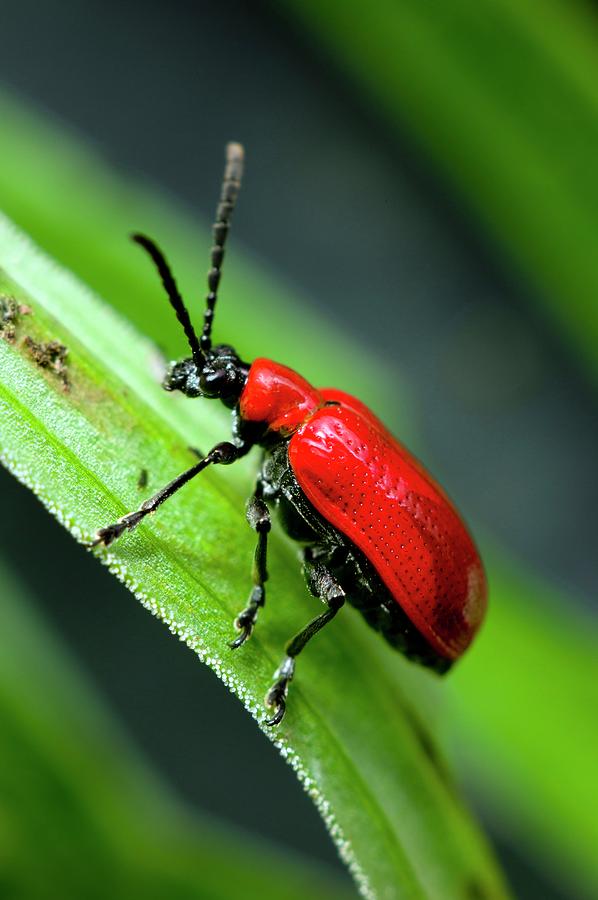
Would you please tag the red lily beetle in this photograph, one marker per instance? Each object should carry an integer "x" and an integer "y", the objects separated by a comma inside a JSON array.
[{"x": 375, "y": 528}]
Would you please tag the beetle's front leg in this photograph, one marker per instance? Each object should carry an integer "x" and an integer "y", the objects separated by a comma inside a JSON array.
[
  {"x": 222, "y": 454},
  {"x": 258, "y": 516}
]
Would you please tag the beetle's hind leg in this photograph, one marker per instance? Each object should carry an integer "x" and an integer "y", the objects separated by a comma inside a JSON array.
[
  {"x": 258, "y": 516},
  {"x": 322, "y": 584}
]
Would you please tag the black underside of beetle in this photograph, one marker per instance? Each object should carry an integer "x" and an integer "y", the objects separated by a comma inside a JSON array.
[{"x": 323, "y": 543}]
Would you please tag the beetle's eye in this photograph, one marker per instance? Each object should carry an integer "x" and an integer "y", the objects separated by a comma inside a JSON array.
[{"x": 212, "y": 384}]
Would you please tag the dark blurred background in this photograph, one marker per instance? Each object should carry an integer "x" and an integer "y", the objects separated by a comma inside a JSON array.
[{"x": 353, "y": 214}]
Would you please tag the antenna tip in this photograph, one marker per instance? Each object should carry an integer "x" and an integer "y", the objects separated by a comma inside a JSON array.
[
  {"x": 235, "y": 152},
  {"x": 138, "y": 237}
]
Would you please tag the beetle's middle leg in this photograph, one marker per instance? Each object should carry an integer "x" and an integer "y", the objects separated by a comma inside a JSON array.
[
  {"x": 322, "y": 584},
  {"x": 258, "y": 516}
]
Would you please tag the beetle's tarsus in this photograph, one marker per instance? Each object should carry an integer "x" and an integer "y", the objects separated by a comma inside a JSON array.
[
  {"x": 245, "y": 628},
  {"x": 246, "y": 619},
  {"x": 101, "y": 539},
  {"x": 239, "y": 641},
  {"x": 281, "y": 708},
  {"x": 277, "y": 694},
  {"x": 105, "y": 536},
  {"x": 258, "y": 517},
  {"x": 276, "y": 697}
]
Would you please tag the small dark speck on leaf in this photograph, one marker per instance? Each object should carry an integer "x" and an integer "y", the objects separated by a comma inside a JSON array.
[
  {"x": 50, "y": 355},
  {"x": 10, "y": 312},
  {"x": 143, "y": 479}
]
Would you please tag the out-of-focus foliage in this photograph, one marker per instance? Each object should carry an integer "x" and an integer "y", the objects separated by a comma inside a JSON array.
[
  {"x": 524, "y": 724},
  {"x": 503, "y": 96},
  {"x": 81, "y": 815}
]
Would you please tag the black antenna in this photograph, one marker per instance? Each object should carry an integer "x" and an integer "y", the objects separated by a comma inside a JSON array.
[
  {"x": 231, "y": 183},
  {"x": 175, "y": 298}
]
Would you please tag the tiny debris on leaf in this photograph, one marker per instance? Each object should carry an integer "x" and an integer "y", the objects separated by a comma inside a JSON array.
[
  {"x": 50, "y": 355},
  {"x": 10, "y": 312},
  {"x": 143, "y": 479}
]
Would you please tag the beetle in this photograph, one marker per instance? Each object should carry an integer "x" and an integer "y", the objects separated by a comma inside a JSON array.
[{"x": 375, "y": 529}]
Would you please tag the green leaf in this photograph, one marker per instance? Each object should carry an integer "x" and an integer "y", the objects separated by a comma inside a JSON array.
[
  {"x": 524, "y": 722},
  {"x": 350, "y": 734},
  {"x": 82, "y": 816},
  {"x": 503, "y": 97}
]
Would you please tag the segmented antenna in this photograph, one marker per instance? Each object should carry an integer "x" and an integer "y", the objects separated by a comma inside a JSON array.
[
  {"x": 231, "y": 183},
  {"x": 175, "y": 298}
]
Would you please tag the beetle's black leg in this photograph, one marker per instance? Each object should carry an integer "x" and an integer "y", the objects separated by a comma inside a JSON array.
[
  {"x": 322, "y": 584},
  {"x": 258, "y": 516},
  {"x": 222, "y": 454}
]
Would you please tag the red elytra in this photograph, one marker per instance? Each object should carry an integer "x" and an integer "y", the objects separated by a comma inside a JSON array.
[{"x": 363, "y": 481}]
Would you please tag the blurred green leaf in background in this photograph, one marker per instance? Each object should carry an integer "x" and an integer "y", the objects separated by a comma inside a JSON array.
[{"x": 503, "y": 97}]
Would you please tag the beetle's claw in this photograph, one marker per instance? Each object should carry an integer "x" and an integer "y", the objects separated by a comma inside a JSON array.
[
  {"x": 245, "y": 628},
  {"x": 104, "y": 536},
  {"x": 277, "y": 694},
  {"x": 276, "y": 699},
  {"x": 246, "y": 620},
  {"x": 110, "y": 533}
]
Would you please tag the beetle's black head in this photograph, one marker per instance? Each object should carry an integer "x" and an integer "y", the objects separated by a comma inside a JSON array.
[{"x": 222, "y": 375}]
